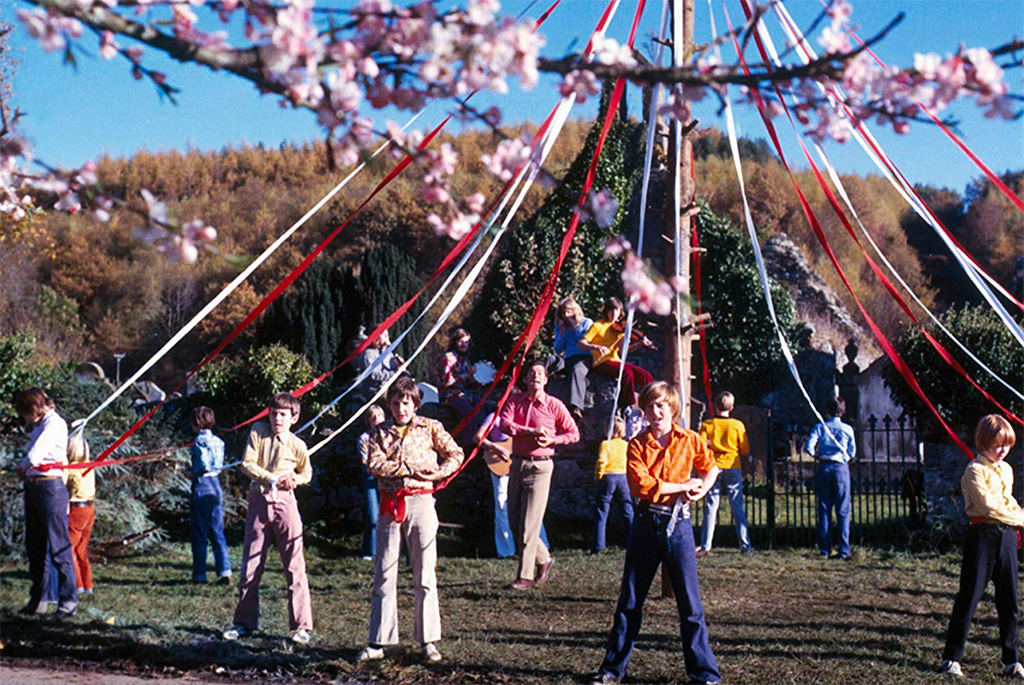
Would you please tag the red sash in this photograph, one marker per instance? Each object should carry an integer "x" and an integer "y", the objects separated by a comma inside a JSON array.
[{"x": 392, "y": 504}]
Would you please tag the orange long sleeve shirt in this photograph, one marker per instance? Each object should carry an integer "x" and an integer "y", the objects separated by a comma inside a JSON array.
[{"x": 649, "y": 465}]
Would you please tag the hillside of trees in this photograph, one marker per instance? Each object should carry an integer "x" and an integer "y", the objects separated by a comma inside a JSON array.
[{"x": 88, "y": 290}]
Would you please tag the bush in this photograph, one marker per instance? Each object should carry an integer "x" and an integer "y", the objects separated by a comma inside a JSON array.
[
  {"x": 744, "y": 354},
  {"x": 239, "y": 388},
  {"x": 959, "y": 403}
]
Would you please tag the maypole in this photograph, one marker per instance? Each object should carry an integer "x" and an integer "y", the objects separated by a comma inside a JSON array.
[{"x": 678, "y": 216}]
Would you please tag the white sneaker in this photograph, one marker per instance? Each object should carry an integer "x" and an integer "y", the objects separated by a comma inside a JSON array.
[
  {"x": 1013, "y": 671},
  {"x": 951, "y": 668},
  {"x": 430, "y": 653},
  {"x": 301, "y": 636},
  {"x": 370, "y": 654},
  {"x": 236, "y": 632}
]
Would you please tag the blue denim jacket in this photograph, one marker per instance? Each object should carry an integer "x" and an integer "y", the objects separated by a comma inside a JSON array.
[
  {"x": 832, "y": 441},
  {"x": 207, "y": 454}
]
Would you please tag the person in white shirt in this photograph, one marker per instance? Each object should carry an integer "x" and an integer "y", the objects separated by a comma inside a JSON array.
[{"x": 46, "y": 503}]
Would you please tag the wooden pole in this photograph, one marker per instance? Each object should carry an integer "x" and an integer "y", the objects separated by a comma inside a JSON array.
[{"x": 678, "y": 347}]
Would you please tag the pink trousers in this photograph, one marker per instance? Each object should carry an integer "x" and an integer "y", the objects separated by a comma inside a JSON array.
[{"x": 269, "y": 522}]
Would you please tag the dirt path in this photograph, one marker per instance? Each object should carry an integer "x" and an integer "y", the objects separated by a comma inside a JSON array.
[{"x": 40, "y": 674}]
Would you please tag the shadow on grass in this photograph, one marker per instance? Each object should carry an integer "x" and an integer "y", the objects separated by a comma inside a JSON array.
[{"x": 145, "y": 648}]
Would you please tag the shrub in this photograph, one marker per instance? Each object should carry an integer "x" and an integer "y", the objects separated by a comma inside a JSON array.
[{"x": 981, "y": 331}]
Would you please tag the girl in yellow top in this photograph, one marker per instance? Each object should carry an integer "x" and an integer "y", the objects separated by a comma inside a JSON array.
[
  {"x": 611, "y": 483},
  {"x": 81, "y": 515},
  {"x": 727, "y": 440}
]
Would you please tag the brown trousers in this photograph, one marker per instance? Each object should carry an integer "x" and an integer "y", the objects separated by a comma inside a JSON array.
[
  {"x": 528, "y": 488},
  {"x": 277, "y": 522}
]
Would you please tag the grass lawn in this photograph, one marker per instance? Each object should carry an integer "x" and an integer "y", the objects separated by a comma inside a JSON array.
[{"x": 784, "y": 616}]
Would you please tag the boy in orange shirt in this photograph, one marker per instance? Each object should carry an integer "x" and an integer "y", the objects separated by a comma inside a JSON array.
[
  {"x": 659, "y": 465},
  {"x": 727, "y": 439}
]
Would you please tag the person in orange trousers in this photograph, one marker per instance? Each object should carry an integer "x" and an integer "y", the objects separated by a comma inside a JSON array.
[{"x": 81, "y": 515}]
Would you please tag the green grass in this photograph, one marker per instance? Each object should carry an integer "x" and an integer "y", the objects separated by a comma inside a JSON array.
[{"x": 783, "y": 616}]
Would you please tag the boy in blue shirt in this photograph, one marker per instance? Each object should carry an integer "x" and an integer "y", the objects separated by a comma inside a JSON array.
[
  {"x": 206, "y": 515},
  {"x": 832, "y": 444}
]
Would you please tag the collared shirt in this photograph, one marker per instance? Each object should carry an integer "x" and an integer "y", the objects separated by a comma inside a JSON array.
[
  {"x": 727, "y": 439},
  {"x": 832, "y": 441},
  {"x": 525, "y": 412},
  {"x": 47, "y": 444},
  {"x": 207, "y": 454},
  {"x": 611, "y": 457},
  {"x": 606, "y": 334},
  {"x": 567, "y": 342},
  {"x": 649, "y": 465},
  {"x": 397, "y": 457},
  {"x": 988, "y": 492},
  {"x": 268, "y": 456}
]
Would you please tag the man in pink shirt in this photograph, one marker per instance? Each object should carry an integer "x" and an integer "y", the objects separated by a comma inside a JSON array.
[{"x": 537, "y": 422}]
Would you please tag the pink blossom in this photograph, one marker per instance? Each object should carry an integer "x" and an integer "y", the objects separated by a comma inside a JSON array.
[
  {"x": 198, "y": 230},
  {"x": 600, "y": 207},
  {"x": 509, "y": 156},
  {"x": 475, "y": 203},
  {"x": 86, "y": 175},
  {"x": 581, "y": 84},
  {"x": 481, "y": 12},
  {"x": 179, "y": 248},
  {"x": 108, "y": 46},
  {"x": 927, "y": 65},
  {"x": 644, "y": 289},
  {"x": 455, "y": 228},
  {"x": 617, "y": 246},
  {"x": 608, "y": 51},
  {"x": 835, "y": 40}
]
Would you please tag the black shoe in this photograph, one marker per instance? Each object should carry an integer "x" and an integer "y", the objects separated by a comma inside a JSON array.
[
  {"x": 224, "y": 580},
  {"x": 63, "y": 614}
]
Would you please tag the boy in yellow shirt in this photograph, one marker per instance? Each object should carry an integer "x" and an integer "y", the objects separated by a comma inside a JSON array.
[
  {"x": 727, "y": 439},
  {"x": 990, "y": 548}
]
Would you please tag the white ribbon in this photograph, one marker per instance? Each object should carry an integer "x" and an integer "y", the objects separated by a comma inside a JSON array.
[{"x": 238, "y": 280}]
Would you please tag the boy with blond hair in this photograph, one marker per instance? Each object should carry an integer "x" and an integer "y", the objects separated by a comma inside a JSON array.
[
  {"x": 659, "y": 465},
  {"x": 727, "y": 440},
  {"x": 990, "y": 548},
  {"x": 277, "y": 462},
  {"x": 611, "y": 483}
]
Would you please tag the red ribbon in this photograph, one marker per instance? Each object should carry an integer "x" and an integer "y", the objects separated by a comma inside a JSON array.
[
  {"x": 540, "y": 313},
  {"x": 812, "y": 220},
  {"x": 700, "y": 312},
  {"x": 393, "y": 504},
  {"x": 295, "y": 273}
]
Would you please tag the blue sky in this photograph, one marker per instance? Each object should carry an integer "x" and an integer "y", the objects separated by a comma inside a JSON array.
[{"x": 75, "y": 116}]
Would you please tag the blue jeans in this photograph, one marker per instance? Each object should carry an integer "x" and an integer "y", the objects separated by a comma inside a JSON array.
[
  {"x": 206, "y": 523},
  {"x": 732, "y": 479},
  {"x": 654, "y": 541},
  {"x": 832, "y": 481},
  {"x": 612, "y": 486},
  {"x": 371, "y": 509},
  {"x": 47, "y": 544}
]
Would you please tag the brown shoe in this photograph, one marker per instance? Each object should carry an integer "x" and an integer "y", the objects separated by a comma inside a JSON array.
[
  {"x": 544, "y": 570},
  {"x": 521, "y": 584},
  {"x": 701, "y": 552}
]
